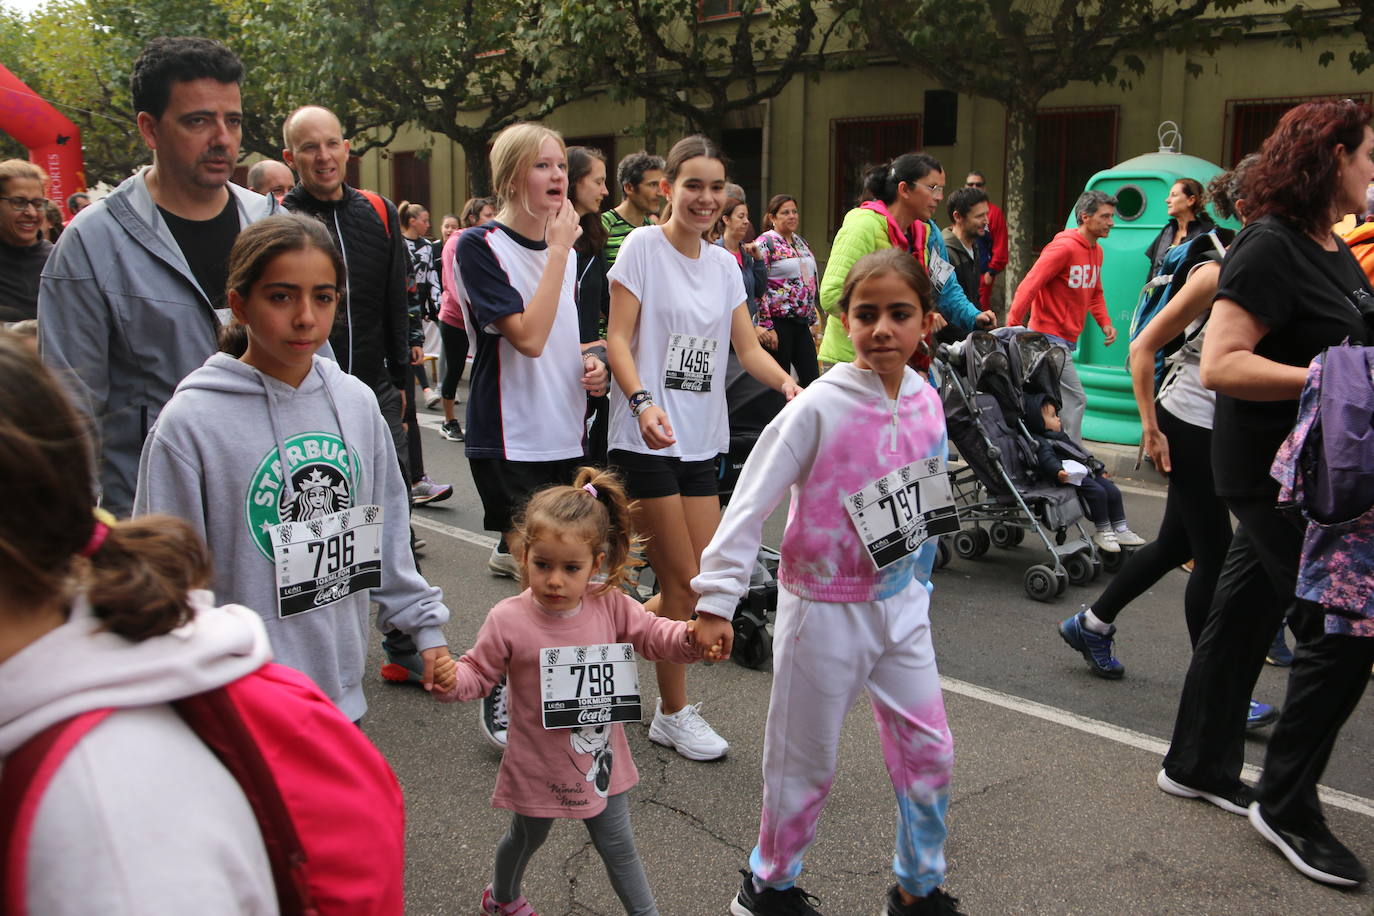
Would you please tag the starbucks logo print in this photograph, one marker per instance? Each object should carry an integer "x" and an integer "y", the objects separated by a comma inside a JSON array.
[{"x": 321, "y": 476}]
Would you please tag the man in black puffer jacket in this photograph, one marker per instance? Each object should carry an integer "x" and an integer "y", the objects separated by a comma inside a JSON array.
[{"x": 371, "y": 337}]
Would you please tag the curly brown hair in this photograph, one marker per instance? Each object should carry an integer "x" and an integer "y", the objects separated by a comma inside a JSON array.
[{"x": 1298, "y": 170}]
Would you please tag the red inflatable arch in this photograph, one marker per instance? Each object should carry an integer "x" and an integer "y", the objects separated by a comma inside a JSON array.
[{"x": 53, "y": 140}]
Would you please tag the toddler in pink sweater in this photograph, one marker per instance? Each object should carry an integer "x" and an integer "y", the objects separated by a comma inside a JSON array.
[{"x": 567, "y": 649}]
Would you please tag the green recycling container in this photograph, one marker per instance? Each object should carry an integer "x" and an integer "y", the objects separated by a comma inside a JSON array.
[{"x": 1140, "y": 186}]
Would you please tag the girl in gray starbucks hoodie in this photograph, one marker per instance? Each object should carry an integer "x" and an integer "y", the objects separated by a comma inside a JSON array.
[{"x": 284, "y": 464}]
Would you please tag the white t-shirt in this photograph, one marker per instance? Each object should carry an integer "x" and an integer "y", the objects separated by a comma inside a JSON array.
[
  {"x": 681, "y": 343},
  {"x": 519, "y": 408}
]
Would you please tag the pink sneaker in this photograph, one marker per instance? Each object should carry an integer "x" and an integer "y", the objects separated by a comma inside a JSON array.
[{"x": 517, "y": 907}]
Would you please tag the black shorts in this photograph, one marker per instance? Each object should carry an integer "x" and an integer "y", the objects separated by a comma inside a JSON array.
[
  {"x": 655, "y": 476},
  {"x": 505, "y": 486}
]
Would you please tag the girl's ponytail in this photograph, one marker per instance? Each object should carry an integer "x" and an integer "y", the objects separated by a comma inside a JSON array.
[
  {"x": 620, "y": 538},
  {"x": 139, "y": 576},
  {"x": 52, "y": 547}
]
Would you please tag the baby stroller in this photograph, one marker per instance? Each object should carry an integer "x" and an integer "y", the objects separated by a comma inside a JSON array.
[
  {"x": 752, "y": 406},
  {"x": 997, "y": 490}
]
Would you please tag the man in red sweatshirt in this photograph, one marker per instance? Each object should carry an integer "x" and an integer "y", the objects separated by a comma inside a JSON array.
[{"x": 1060, "y": 290}]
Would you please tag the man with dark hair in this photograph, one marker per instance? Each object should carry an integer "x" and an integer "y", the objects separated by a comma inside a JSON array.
[
  {"x": 997, "y": 238},
  {"x": 271, "y": 178},
  {"x": 966, "y": 238},
  {"x": 639, "y": 175},
  {"x": 1060, "y": 290},
  {"x": 133, "y": 295},
  {"x": 78, "y": 202}
]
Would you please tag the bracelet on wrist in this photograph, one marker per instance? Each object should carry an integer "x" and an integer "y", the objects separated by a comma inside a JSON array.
[{"x": 639, "y": 401}]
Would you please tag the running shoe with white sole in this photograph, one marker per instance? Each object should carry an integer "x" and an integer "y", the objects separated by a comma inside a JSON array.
[
  {"x": 1106, "y": 540},
  {"x": 750, "y": 901},
  {"x": 451, "y": 431},
  {"x": 1314, "y": 851},
  {"x": 686, "y": 732},
  {"x": 424, "y": 491},
  {"x": 1128, "y": 538},
  {"x": 503, "y": 564},
  {"x": 1236, "y": 801}
]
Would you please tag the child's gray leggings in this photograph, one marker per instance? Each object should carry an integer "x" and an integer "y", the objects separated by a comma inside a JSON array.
[{"x": 614, "y": 841}]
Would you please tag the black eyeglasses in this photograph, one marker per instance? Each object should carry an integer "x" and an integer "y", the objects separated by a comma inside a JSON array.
[{"x": 20, "y": 204}]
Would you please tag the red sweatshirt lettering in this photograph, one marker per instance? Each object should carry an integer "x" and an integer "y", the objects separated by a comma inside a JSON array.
[{"x": 1062, "y": 287}]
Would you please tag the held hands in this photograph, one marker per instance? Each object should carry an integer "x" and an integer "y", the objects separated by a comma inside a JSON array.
[
  {"x": 417, "y": 356},
  {"x": 767, "y": 337},
  {"x": 441, "y": 671},
  {"x": 595, "y": 376},
  {"x": 655, "y": 428},
  {"x": 1109, "y": 335},
  {"x": 790, "y": 390},
  {"x": 712, "y": 636},
  {"x": 562, "y": 228}
]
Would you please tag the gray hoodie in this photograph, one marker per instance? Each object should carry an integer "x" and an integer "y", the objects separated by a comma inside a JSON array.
[
  {"x": 214, "y": 459},
  {"x": 123, "y": 319},
  {"x": 140, "y": 817}
]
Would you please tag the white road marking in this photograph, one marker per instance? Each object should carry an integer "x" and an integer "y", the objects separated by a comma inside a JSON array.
[
  {"x": 1096, "y": 727},
  {"x": 1126, "y": 736}
]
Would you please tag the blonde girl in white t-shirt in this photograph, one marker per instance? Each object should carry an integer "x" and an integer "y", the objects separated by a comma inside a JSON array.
[{"x": 677, "y": 305}]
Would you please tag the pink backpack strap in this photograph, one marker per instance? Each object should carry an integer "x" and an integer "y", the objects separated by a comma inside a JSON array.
[
  {"x": 217, "y": 721},
  {"x": 26, "y": 776}
]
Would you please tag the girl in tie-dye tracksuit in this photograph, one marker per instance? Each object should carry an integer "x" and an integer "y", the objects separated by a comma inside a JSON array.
[{"x": 842, "y": 624}]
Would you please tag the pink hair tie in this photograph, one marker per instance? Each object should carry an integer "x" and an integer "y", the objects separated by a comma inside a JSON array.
[
  {"x": 590, "y": 489},
  {"x": 103, "y": 522}
]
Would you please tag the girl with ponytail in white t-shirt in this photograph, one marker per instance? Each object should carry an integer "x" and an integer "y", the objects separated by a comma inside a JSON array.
[{"x": 677, "y": 306}]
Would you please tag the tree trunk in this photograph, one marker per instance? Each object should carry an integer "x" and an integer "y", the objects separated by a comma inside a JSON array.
[
  {"x": 479, "y": 168},
  {"x": 1020, "y": 187}
]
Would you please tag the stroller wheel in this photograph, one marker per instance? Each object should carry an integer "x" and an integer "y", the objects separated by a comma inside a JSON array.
[
  {"x": 1041, "y": 583},
  {"x": 1112, "y": 562},
  {"x": 1079, "y": 567},
  {"x": 1004, "y": 535},
  {"x": 1063, "y": 584},
  {"x": 753, "y": 645},
  {"x": 972, "y": 543}
]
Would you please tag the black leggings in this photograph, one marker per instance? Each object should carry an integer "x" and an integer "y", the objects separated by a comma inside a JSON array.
[
  {"x": 796, "y": 349},
  {"x": 1196, "y": 525},
  {"x": 455, "y": 343}
]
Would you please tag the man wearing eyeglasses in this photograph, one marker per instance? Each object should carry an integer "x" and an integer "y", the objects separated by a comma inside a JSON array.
[
  {"x": 996, "y": 235},
  {"x": 23, "y": 250},
  {"x": 132, "y": 299}
]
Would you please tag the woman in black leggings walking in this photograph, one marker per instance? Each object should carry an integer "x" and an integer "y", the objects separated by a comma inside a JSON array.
[{"x": 1176, "y": 430}]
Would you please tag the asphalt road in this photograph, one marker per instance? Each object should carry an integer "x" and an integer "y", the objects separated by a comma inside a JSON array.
[{"x": 1053, "y": 806}]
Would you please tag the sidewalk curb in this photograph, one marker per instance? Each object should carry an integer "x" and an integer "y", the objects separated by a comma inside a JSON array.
[{"x": 1121, "y": 464}]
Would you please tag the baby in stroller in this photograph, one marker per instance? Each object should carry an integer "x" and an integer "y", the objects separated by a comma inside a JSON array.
[{"x": 1062, "y": 458}]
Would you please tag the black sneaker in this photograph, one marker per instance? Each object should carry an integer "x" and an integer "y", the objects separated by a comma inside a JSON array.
[
  {"x": 493, "y": 716},
  {"x": 1315, "y": 851},
  {"x": 451, "y": 431},
  {"x": 1236, "y": 800},
  {"x": 936, "y": 903},
  {"x": 750, "y": 902}
]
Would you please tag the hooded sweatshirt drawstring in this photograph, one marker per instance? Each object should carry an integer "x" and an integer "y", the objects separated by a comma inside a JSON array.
[{"x": 354, "y": 471}]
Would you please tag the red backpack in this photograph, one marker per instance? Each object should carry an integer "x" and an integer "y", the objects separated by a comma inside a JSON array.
[{"x": 329, "y": 807}]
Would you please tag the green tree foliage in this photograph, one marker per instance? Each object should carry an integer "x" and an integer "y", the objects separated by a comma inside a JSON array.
[
  {"x": 65, "y": 58},
  {"x": 463, "y": 69},
  {"x": 698, "y": 69}
]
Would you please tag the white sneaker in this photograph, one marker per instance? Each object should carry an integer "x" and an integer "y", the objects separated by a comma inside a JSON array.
[
  {"x": 503, "y": 564},
  {"x": 431, "y": 398},
  {"x": 686, "y": 732},
  {"x": 1106, "y": 540},
  {"x": 1128, "y": 538}
]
